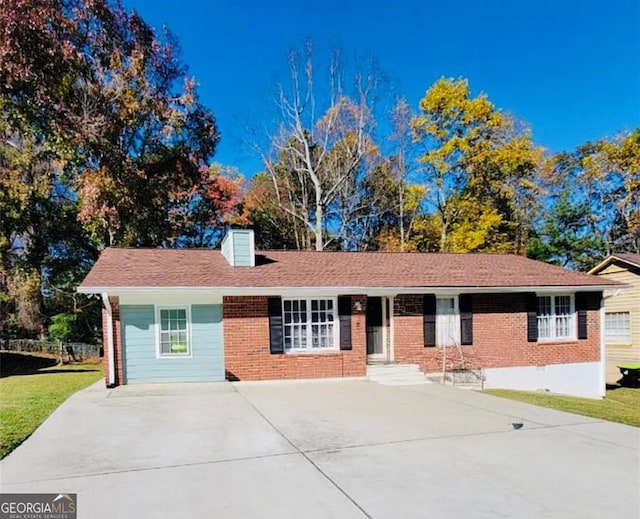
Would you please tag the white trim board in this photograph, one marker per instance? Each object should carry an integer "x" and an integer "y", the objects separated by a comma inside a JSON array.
[
  {"x": 339, "y": 290},
  {"x": 111, "y": 375},
  {"x": 169, "y": 298}
]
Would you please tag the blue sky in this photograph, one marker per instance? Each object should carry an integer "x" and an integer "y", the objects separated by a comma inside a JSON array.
[{"x": 569, "y": 68}]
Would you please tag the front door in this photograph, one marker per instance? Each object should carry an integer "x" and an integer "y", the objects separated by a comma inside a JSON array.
[{"x": 375, "y": 329}]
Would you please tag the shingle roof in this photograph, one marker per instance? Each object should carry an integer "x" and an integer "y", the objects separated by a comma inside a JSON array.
[
  {"x": 629, "y": 257},
  {"x": 199, "y": 268},
  {"x": 625, "y": 257}
]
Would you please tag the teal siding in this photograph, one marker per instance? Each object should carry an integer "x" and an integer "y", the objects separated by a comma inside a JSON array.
[
  {"x": 139, "y": 346},
  {"x": 241, "y": 249}
]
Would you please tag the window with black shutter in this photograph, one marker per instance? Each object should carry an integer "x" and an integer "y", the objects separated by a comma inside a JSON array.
[
  {"x": 276, "y": 343},
  {"x": 344, "y": 316},
  {"x": 532, "y": 317},
  {"x": 466, "y": 319},
  {"x": 429, "y": 319},
  {"x": 582, "y": 300}
]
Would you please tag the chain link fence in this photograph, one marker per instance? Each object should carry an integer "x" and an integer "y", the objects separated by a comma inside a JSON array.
[{"x": 80, "y": 350}]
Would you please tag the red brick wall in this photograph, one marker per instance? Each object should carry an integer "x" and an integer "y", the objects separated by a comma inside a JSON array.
[
  {"x": 246, "y": 346},
  {"x": 117, "y": 340},
  {"x": 499, "y": 340},
  {"x": 499, "y": 336}
]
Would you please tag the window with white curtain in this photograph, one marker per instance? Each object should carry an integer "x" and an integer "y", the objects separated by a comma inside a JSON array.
[
  {"x": 556, "y": 317},
  {"x": 447, "y": 321},
  {"x": 309, "y": 324}
]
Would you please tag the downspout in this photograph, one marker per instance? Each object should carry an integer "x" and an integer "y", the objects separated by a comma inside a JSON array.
[
  {"x": 603, "y": 351},
  {"x": 111, "y": 375},
  {"x": 392, "y": 329}
]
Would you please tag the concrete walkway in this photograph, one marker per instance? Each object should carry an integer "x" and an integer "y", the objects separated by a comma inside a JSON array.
[{"x": 325, "y": 449}]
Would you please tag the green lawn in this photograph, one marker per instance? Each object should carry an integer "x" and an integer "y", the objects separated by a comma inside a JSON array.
[
  {"x": 29, "y": 393},
  {"x": 620, "y": 405}
]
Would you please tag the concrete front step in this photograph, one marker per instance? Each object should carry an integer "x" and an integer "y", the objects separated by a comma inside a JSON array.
[
  {"x": 467, "y": 385},
  {"x": 402, "y": 382},
  {"x": 396, "y": 374},
  {"x": 384, "y": 372},
  {"x": 393, "y": 367},
  {"x": 475, "y": 384}
]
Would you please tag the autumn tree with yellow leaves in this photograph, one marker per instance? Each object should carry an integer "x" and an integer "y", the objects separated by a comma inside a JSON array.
[{"x": 478, "y": 169}]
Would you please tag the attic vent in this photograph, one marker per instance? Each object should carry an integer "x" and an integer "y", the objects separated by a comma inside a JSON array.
[{"x": 238, "y": 248}]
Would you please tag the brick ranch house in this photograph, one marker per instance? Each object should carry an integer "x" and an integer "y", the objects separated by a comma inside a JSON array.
[{"x": 240, "y": 314}]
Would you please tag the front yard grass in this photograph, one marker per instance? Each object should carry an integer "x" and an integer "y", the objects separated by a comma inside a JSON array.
[
  {"x": 620, "y": 405},
  {"x": 29, "y": 396}
]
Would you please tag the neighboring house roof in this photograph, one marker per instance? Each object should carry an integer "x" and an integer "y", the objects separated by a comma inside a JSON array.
[
  {"x": 119, "y": 268},
  {"x": 629, "y": 258}
]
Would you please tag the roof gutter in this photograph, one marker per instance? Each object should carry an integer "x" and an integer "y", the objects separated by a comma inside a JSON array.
[
  {"x": 372, "y": 291},
  {"x": 111, "y": 375}
]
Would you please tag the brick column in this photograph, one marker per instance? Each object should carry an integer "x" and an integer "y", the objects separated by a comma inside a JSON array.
[{"x": 355, "y": 361}]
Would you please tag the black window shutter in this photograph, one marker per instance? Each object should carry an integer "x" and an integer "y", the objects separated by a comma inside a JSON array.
[
  {"x": 466, "y": 319},
  {"x": 532, "y": 317},
  {"x": 581, "y": 309},
  {"x": 429, "y": 319},
  {"x": 344, "y": 314},
  {"x": 276, "y": 343}
]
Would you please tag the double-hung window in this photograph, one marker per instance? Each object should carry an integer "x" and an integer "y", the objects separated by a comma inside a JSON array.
[
  {"x": 309, "y": 324},
  {"x": 447, "y": 321},
  {"x": 617, "y": 327},
  {"x": 556, "y": 318},
  {"x": 174, "y": 332}
]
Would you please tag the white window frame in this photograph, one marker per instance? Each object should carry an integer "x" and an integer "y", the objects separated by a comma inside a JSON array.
[
  {"x": 310, "y": 349},
  {"x": 618, "y": 338},
  {"x": 456, "y": 340},
  {"x": 553, "y": 337},
  {"x": 159, "y": 354}
]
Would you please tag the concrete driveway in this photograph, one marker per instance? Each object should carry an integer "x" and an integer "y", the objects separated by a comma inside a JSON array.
[{"x": 325, "y": 449}]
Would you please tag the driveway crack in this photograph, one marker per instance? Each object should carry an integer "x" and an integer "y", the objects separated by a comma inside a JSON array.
[
  {"x": 306, "y": 457},
  {"x": 152, "y": 468}
]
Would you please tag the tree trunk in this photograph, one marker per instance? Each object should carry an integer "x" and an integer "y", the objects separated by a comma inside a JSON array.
[
  {"x": 319, "y": 222},
  {"x": 402, "y": 238},
  {"x": 443, "y": 238}
]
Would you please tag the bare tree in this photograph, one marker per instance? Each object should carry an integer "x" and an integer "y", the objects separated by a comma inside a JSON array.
[
  {"x": 323, "y": 140},
  {"x": 401, "y": 117}
]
